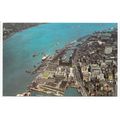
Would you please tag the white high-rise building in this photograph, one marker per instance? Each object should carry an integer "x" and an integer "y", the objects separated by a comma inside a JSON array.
[{"x": 71, "y": 74}]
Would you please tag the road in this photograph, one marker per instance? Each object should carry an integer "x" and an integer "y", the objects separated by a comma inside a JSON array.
[{"x": 77, "y": 74}]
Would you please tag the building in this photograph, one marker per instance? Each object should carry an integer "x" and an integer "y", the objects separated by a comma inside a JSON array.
[
  {"x": 105, "y": 36},
  {"x": 110, "y": 76},
  {"x": 95, "y": 70},
  {"x": 108, "y": 61},
  {"x": 59, "y": 70},
  {"x": 100, "y": 42},
  {"x": 86, "y": 76},
  {"x": 100, "y": 76},
  {"x": 71, "y": 74},
  {"x": 103, "y": 64},
  {"x": 84, "y": 68},
  {"x": 108, "y": 50},
  {"x": 65, "y": 63}
]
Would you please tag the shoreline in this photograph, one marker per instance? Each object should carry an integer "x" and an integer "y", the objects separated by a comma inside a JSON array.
[{"x": 9, "y": 29}]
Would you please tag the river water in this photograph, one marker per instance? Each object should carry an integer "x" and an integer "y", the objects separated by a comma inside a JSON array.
[{"x": 45, "y": 38}]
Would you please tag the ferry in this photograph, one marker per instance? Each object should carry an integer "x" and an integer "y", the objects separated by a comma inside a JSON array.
[{"x": 44, "y": 57}]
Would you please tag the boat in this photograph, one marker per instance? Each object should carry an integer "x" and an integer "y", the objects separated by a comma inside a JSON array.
[
  {"x": 35, "y": 54},
  {"x": 44, "y": 57},
  {"x": 27, "y": 71}
]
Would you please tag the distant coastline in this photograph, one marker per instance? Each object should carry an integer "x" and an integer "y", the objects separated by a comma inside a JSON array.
[{"x": 10, "y": 29}]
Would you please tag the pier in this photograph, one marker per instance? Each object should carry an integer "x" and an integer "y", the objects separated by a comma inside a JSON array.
[{"x": 49, "y": 90}]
